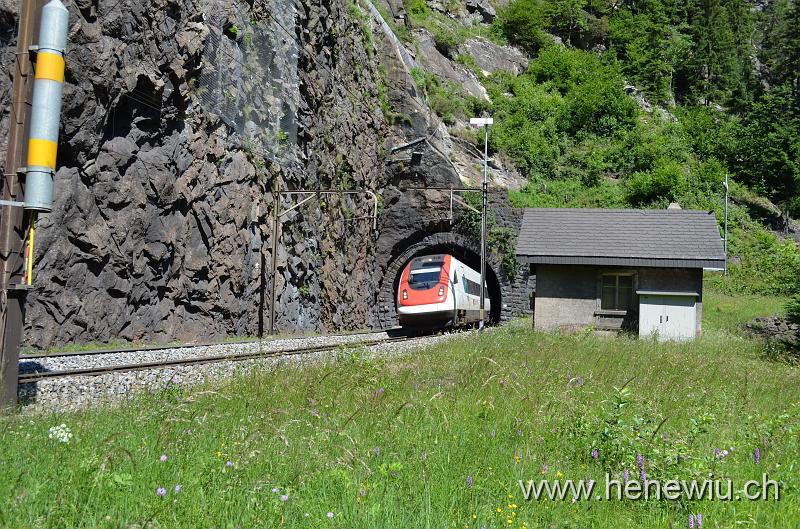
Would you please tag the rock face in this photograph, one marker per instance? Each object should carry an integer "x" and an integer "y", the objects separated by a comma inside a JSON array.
[
  {"x": 490, "y": 57},
  {"x": 182, "y": 119},
  {"x": 163, "y": 214},
  {"x": 777, "y": 329}
]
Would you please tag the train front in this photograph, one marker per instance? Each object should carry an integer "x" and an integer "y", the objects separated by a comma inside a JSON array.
[{"x": 424, "y": 297}]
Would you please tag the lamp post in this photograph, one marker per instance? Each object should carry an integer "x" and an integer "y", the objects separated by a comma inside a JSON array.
[{"x": 485, "y": 122}]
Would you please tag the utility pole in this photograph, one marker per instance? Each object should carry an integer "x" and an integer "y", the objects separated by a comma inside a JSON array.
[
  {"x": 35, "y": 117},
  {"x": 12, "y": 292},
  {"x": 485, "y": 191},
  {"x": 725, "y": 243}
]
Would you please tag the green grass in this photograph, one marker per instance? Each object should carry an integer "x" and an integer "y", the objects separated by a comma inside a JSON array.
[{"x": 496, "y": 408}]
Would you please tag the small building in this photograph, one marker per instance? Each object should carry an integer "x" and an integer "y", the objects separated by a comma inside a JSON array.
[{"x": 620, "y": 269}]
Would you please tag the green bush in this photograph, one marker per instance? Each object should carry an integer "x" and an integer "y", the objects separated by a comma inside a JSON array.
[
  {"x": 664, "y": 182},
  {"x": 523, "y": 22},
  {"x": 793, "y": 309}
]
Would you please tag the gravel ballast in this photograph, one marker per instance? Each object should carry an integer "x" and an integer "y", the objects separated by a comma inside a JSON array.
[{"x": 79, "y": 392}]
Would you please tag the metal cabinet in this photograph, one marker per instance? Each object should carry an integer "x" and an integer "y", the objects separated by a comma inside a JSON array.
[{"x": 667, "y": 315}]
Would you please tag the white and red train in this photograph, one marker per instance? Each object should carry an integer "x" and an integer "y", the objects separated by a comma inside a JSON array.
[{"x": 439, "y": 291}]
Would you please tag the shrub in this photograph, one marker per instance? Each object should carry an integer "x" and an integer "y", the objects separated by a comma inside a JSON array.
[
  {"x": 662, "y": 183},
  {"x": 793, "y": 309},
  {"x": 522, "y": 23}
]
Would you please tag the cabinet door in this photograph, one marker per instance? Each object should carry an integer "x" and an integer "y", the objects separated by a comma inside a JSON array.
[
  {"x": 679, "y": 318},
  {"x": 650, "y": 315}
]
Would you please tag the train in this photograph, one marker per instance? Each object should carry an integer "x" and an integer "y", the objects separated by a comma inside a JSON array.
[{"x": 437, "y": 291}]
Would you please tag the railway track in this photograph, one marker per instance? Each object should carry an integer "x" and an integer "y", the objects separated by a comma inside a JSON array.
[
  {"x": 155, "y": 348},
  {"x": 39, "y": 376}
]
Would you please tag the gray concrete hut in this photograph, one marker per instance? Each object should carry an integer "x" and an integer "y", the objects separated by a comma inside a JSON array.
[{"x": 639, "y": 270}]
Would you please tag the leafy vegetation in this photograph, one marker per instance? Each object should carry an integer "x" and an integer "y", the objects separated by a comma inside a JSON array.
[{"x": 435, "y": 439}]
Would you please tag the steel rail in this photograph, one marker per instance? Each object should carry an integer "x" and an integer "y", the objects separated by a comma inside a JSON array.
[
  {"x": 38, "y": 376},
  {"x": 165, "y": 347}
]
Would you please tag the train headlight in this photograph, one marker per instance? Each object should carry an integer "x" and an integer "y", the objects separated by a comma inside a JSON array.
[
  {"x": 441, "y": 290},
  {"x": 405, "y": 294}
]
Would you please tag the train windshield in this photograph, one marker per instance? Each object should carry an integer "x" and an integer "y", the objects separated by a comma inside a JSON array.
[{"x": 424, "y": 278}]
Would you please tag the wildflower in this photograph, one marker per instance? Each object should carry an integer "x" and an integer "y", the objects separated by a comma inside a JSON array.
[
  {"x": 626, "y": 475},
  {"x": 60, "y": 433},
  {"x": 229, "y": 464},
  {"x": 691, "y": 521},
  {"x": 378, "y": 392},
  {"x": 377, "y": 451},
  {"x": 544, "y": 469},
  {"x": 559, "y": 474},
  {"x": 757, "y": 455},
  {"x": 716, "y": 453},
  {"x": 163, "y": 458},
  {"x": 665, "y": 437},
  {"x": 519, "y": 432},
  {"x": 275, "y": 489},
  {"x": 424, "y": 455},
  {"x": 595, "y": 454},
  {"x": 178, "y": 488},
  {"x": 161, "y": 492},
  {"x": 330, "y": 515},
  {"x": 699, "y": 519},
  {"x": 285, "y": 497},
  {"x": 315, "y": 412},
  {"x": 469, "y": 482},
  {"x": 724, "y": 453}
]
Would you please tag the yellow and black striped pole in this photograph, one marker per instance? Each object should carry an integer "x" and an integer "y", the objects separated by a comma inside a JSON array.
[{"x": 46, "y": 107}]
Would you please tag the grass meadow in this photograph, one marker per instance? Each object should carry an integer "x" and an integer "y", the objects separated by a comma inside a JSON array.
[{"x": 437, "y": 439}]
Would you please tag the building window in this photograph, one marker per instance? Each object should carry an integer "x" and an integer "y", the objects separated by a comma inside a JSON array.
[{"x": 617, "y": 292}]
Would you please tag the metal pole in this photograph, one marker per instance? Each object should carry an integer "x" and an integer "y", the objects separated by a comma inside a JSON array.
[
  {"x": 12, "y": 300},
  {"x": 276, "y": 197},
  {"x": 483, "y": 225},
  {"x": 726, "y": 225}
]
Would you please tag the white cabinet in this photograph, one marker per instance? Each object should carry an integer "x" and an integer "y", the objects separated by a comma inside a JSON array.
[{"x": 667, "y": 315}]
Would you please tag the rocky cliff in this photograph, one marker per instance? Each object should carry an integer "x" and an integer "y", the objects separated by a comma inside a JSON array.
[{"x": 181, "y": 120}]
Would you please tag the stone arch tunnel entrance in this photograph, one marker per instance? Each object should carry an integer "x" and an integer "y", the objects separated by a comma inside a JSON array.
[{"x": 501, "y": 290}]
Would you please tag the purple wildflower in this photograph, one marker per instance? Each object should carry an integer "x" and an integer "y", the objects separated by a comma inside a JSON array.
[
  {"x": 229, "y": 464},
  {"x": 716, "y": 453},
  {"x": 275, "y": 489},
  {"x": 626, "y": 475},
  {"x": 724, "y": 453},
  {"x": 691, "y": 521},
  {"x": 315, "y": 412},
  {"x": 378, "y": 392},
  {"x": 544, "y": 469},
  {"x": 699, "y": 519},
  {"x": 757, "y": 455},
  {"x": 330, "y": 514},
  {"x": 469, "y": 482},
  {"x": 644, "y": 476},
  {"x": 178, "y": 488},
  {"x": 377, "y": 451},
  {"x": 161, "y": 492},
  {"x": 595, "y": 454},
  {"x": 424, "y": 455},
  {"x": 163, "y": 458},
  {"x": 285, "y": 497}
]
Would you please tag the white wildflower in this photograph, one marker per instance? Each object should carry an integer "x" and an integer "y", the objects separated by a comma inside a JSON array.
[{"x": 60, "y": 433}]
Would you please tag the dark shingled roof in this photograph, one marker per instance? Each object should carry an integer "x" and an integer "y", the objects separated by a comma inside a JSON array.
[{"x": 621, "y": 237}]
